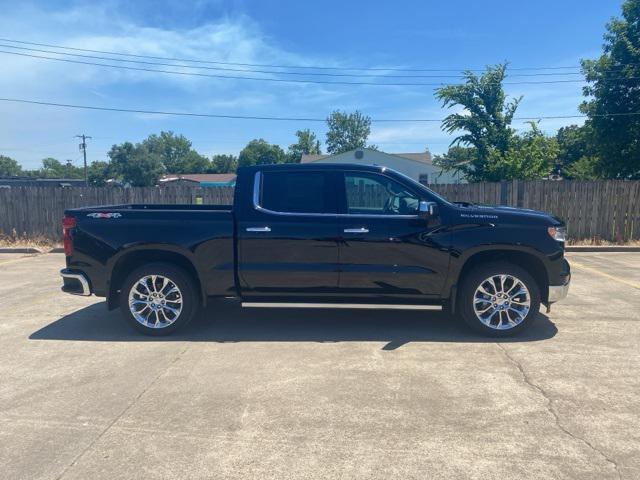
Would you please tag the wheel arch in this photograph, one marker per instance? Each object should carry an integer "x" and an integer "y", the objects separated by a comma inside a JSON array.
[
  {"x": 524, "y": 259},
  {"x": 129, "y": 260}
]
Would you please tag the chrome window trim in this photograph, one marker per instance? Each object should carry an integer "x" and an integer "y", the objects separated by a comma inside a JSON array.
[{"x": 257, "y": 186}]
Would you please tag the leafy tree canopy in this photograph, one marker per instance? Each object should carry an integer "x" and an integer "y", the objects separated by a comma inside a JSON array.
[
  {"x": 224, "y": 164},
  {"x": 175, "y": 153},
  {"x": 576, "y": 153},
  {"x": 98, "y": 173},
  {"x": 530, "y": 156},
  {"x": 135, "y": 164},
  {"x": 614, "y": 96},
  {"x": 457, "y": 159},
  {"x": 485, "y": 121},
  {"x": 53, "y": 168},
  {"x": 347, "y": 131},
  {"x": 260, "y": 152},
  {"x": 307, "y": 144},
  {"x": 9, "y": 167},
  {"x": 585, "y": 168}
]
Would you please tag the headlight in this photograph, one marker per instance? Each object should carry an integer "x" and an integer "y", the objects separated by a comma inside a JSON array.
[{"x": 558, "y": 233}]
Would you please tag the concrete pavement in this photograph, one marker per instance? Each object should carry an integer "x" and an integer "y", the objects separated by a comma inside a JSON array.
[{"x": 319, "y": 394}]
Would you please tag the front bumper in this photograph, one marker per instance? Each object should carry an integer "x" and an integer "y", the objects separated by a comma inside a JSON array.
[
  {"x": 75, "y": 283},
  {"x": 558, "y": 292}
]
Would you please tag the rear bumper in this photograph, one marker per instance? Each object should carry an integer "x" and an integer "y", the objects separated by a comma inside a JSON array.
[
  {"x": 75, "y": 283},
  {"x": 558, "y": 292}
]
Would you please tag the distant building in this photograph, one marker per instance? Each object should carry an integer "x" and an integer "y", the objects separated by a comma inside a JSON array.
[
  {"x": 199, "y": 179},
  {"x": 8, "y": 182},
  {"x": 418, "y": 166}
]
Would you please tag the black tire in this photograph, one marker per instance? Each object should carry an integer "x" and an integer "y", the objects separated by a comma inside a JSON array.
[
  {"x": 475, "y": 278},
  {"x": 187, "y": 294}
]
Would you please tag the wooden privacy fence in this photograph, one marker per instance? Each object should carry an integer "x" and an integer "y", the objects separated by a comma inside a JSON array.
[
  {"x": 38, "y": 211},
  {"x": 606, "y": 210}
]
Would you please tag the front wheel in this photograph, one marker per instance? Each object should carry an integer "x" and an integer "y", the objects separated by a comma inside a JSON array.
[
  {"x": 158, "y": 298},
  {"x": 499, "y": 299}
]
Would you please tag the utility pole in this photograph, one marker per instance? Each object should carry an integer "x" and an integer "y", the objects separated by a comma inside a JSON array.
[{"x": 83, "y": 147}]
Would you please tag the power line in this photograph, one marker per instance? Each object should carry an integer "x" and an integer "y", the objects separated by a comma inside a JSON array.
[
  {"x": 287, "y": 80},
  {"x": 287, "y": 119},
  {"x": 354, "y": 75},
  {"x": 310, "y": 67},
  {"x": 156, "y": 112}
]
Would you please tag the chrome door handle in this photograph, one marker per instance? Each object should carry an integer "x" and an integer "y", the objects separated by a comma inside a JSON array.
[
  {"x": 258, "y": 229},
  {"x": 356, "y": 230}
]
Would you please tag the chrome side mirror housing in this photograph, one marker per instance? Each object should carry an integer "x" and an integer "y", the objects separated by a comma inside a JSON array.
[{"x": 427, "y": 209}]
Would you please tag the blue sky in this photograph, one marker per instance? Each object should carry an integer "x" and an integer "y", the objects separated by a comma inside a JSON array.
[{"x": 400, "y": 34}]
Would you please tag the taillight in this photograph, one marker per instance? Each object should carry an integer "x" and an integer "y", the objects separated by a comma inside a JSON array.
[{"x": 67, "y": 224}]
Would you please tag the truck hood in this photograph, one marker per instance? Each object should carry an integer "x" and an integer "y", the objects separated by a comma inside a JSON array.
[{"x": 503, "y": 214}]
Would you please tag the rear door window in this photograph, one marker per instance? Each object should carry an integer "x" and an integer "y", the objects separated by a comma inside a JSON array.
[{"x": 297, "y": 192}]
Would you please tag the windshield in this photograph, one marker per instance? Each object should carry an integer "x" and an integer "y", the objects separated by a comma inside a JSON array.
[{"x": 420, "y": 187}]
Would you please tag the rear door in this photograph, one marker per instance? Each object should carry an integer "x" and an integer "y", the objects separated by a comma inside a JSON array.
[
  {"x": 387, "y": 249},
  {"x": 287, "y": 243}
]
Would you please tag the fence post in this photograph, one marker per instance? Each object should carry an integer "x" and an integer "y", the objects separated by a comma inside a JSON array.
[{"x": 504, "y": 192}]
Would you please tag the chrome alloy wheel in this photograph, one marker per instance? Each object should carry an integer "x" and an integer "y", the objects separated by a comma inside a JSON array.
[
  {"x": 501, "y": 302},
  {"x": 155, "y": 301}
]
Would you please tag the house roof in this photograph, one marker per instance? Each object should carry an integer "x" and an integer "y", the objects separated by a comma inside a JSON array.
[
  {"x": 312, "y": 157},
  {"x": 422, "y": 157},
  {"x": 200, "y": 177}
]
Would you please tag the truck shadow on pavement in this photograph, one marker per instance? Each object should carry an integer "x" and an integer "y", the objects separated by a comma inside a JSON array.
[{"x": 227, "y": 322}]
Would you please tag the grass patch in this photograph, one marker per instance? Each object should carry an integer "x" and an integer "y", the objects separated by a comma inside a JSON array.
[{"x": 23, "y": 241}]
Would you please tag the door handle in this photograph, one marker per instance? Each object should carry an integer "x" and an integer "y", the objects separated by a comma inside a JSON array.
[
  {"x": 356, "y": 230},
  {"x": 258, "y": 229}
]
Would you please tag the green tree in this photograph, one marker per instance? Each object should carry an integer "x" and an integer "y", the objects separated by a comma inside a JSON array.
[
  {"x": 176, "y": 153},
  {"x": 260, "y": 152},
  {"x": 456, "y": 159},
  {"x": 531, "y": 156},
  {"x": 307, "y": 144},
  {"x": 98, "y": 173},
  {"x": 585, "y": 168},
  {"x": 135, "y": 164},
  {"x": 223, "y": 164},
  {"x": 9, "y": 167},
  {"x": 486, "y": 120},
  {"x": 614, "y": 96},
  {"x": 347, "y": 131},
  {"x": 575, "y": 145},
  {"x": 52, "y": 168}
]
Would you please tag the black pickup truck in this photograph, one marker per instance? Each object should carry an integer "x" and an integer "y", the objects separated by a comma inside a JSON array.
[{"x": 319, "y": 236}]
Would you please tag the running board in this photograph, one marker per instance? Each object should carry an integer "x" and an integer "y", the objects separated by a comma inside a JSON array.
[{"x": 366, "y": 306}]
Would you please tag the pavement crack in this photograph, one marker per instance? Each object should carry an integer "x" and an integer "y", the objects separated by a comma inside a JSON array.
[
  {"x": 552, "y": 411},
  {"x": 121, "y": 414}
]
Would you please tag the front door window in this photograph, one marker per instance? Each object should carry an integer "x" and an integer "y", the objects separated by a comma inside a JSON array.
[{"x": 372, "y": 194}]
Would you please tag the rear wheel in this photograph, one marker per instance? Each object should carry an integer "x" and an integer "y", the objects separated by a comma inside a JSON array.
[
  {"x": 499, "y": 299},
  {"x": 158, "y": 299}
]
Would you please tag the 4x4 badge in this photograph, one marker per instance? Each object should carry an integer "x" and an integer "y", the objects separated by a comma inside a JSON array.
[{"x": 104, "y": 215}]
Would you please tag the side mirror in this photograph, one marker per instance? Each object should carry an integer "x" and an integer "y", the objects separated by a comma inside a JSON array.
[{"x": 427, "y": 209}]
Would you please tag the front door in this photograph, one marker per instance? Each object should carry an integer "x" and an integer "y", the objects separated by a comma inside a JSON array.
[
  {"x": 387, "y": 250},
  {"x": 287, "y": 245}
]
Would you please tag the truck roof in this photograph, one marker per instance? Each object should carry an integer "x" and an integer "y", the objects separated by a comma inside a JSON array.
[{"x": 313, "y": 166}]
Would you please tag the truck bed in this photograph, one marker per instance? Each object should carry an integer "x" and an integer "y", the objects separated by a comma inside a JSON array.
[{"x": 203, "y": 234}]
